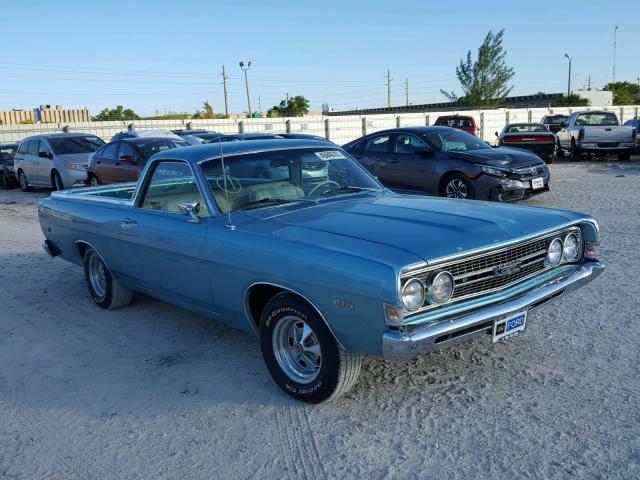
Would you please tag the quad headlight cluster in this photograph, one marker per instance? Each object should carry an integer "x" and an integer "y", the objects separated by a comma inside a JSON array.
[
  {"x": 438, "y": 289},
  {"x": 565, "y": 249}
]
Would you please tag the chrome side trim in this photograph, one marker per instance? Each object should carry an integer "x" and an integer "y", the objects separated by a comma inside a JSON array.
[
  {"x": 399, "y": 345},
  {"x": 247, "y": 311}
]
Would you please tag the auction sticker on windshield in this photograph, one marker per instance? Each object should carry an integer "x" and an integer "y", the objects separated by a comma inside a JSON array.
[{"x": 330, "y": 155}]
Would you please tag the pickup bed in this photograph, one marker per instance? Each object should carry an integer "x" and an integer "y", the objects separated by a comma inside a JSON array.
[{"x": 595, "y": 132}]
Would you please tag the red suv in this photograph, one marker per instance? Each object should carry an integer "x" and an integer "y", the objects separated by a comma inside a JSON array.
[{"x": 468, "y": 124}]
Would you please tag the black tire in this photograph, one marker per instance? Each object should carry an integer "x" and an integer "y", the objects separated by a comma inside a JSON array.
[
  {"x": 56, "y": 181},
  {"x": 5, "y": 182},
  {"x": 550, "y": 158},
  {"x": 112, "y": 294},
  {"x": 559, "y": 153},
  {"x": 456, "y": 185},
  {"x": 92, "y": 181},
  {"x": 330, "y": 374},
  {"x": 24, "y": 182},
  {"x": 624, "y": 157},
  {"x": 575, "y": 155}
]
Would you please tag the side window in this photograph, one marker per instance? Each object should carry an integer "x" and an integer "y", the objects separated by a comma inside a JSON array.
[
  {"x": 172, "y": 183},
  {"x": 23, "y": 147},
  {"x": 110, "y": 151},
  {"x": 127, "y": 151},
  {"x": 43, "y": 148},
  {"x": 377, "y": 144},
  {"x": 408, "y": 144},
  {"x": 32, "y": 147}
]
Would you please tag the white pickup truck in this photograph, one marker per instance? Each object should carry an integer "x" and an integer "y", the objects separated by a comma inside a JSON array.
[{"x": 595, "y": 132}]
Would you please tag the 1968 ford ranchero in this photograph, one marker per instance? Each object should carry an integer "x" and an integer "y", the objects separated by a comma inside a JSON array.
[{"x": 295, "y": 242}]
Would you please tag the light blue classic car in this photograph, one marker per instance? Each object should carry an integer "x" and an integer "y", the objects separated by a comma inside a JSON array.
[{"x": 323, "y": 268}]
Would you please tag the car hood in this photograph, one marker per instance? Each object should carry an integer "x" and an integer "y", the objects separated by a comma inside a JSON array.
[
  {"x": 76, "y": 158},
  {"x": 428, "y": 228},
  {"x": 499, "y": 157}
]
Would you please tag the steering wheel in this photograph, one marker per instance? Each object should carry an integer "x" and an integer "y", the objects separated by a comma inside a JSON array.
[
  {"x": 326, "y": 182},
  {"x": 232, "y": 183}
]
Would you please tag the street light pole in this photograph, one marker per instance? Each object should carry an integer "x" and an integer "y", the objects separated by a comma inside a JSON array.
[
  {"x": 244, "y": 68},
  {"x": 569, "y": 80}
]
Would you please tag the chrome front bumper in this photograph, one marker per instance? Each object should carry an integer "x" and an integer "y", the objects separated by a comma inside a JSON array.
[{"x": 405, "y": 346}]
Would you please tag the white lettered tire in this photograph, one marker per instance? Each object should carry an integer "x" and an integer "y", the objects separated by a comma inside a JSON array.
[
  {"x": 105, "y": 289},
  {"x": 301, "y": 353}
]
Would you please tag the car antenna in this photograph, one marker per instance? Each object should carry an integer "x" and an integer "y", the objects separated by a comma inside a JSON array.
[{"x": 229, "y": 224}]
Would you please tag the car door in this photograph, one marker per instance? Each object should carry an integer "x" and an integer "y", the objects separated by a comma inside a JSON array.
[
  {"x": 410, "y": 165},
  {"x": 164, "y": 249},
  {"x": 373, "y": 154},
  {"x": 105, "y": 168},
  {"x": 127, "y": 166},
  {"x": 45, "y": 163},
  {"x": 31, "y": 163}
]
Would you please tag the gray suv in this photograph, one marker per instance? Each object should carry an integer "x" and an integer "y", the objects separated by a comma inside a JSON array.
[{"x": 55, "y": 160}]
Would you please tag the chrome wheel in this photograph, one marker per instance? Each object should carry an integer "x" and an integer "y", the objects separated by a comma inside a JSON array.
[
  {"x": 297, "y": 349},
  {"x": 456, "y": 188},
  {"x": 98, "y": 276},
  {"x": 57, "y": 182}
]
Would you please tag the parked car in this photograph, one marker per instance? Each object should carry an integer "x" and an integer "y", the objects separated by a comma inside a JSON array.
[
  {"x": 635, "y": 123},
  {"x": 534, "y": 137},
  {"x": 461, "y": 122},
  {"x": 57, "y": 160},
  {"x": 200, "y": 138},
  {"x": 320, "y": 272},
  {"x": 144, "y": 133},
  {"x": 234, "y": 137},
  {"x": 449, "y": 162},
  {"x": 554, "y": 122},
  {"x": 7, "y": 171},
  {"x": 122, "y": 161},
  {"x": 595, "y": 132},
  {"x": 303, "y": 136}
]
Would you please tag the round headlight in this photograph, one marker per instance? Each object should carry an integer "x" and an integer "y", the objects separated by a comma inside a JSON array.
[
  {"x": 412, "y": 295},
  {"x": 570, "y": 247},
  {"x": 441, "y": 288},
  {"x": 554, "y": 252}
]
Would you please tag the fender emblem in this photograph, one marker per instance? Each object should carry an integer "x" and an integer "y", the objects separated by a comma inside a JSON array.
[
  {"x": 508, "y": 268},
  {"x": 343, "y": 303}
]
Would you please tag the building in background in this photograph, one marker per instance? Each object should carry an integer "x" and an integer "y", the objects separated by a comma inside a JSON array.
[
  {"x": 601, "y": 98},
  {"x": 45, "y": 114}
]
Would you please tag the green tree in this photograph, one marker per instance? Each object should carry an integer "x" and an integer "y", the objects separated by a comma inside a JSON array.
[
  {"x": 118, "y": 113},
  {"x": 484, "y": 80},
  {"x": 293, "y": 107},
  {"x": 624, "y": 93},
  {"x": 207, "y": 112},
  {"x": 573, "y": 100}
]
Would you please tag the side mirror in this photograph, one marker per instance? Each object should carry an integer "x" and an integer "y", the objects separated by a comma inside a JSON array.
[
  {"x": 44, "y": 155},
  {"x": 497, "y": 134},
  {"x": 128, "y": 159},
  {"x": 424, "y": 152},
  {"x": 192, "y": 209}
]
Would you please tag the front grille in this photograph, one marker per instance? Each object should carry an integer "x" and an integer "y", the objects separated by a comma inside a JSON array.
[{"x": 493, "y": 270}]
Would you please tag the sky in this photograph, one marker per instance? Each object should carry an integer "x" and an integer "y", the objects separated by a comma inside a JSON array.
[{"x": 168, "y": 56}]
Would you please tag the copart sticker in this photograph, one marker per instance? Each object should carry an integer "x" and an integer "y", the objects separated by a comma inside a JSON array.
[{"x": 330, "y": 155}]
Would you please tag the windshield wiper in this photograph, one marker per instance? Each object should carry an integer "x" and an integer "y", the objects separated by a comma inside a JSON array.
[{"x": 349, "y": 189}]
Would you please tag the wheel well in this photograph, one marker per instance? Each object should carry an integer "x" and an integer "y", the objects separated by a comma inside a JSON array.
[
  {"x": 81, "y": 247},
  {"x": 257, "y": 299}
]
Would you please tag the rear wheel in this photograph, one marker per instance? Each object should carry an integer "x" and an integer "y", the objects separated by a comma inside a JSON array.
[
  {"x": 301, "y": 353},
  {"x": 575, "y": 154},
  {"x": 105, "y": 289},
  {"x": 4, "y": 181},
  {"x": 24, "y": 183},
  {"x": 56, "y": 181},
  {"x": 457, "y": 186}
]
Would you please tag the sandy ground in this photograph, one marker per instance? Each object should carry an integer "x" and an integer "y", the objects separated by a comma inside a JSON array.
[{"x": 152, "y": 391}]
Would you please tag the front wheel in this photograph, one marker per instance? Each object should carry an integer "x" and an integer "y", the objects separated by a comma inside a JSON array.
[
  {"x": 4, "y": 181},
  {"x": 24, "y": 183},
  {"x": 301, "y": 353},
  {"x": 457, "y": 186},
  {"x": 624, "y": 157},
  {"x": 105, "y": 289},
  {"x": 575, "y": 155},
  {"x": 93, "y": 181},
  {"x": 56, "y": 181}
]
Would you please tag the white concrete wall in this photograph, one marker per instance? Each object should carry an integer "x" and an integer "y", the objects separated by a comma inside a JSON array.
[{"x": 339, "y": 129}]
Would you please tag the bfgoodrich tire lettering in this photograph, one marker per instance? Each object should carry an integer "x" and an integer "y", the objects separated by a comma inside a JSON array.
[
  {"x": 105, "y": 289},
  {"x": 337, "y": 369}
]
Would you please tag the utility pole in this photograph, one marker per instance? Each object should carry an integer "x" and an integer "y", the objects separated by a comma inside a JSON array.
[
  {"x": 615, "y": 38},
  {"x": 259, "y": 104},
  {"x": 589, "y": 83},
  {"x": 406, "y": 91},
  {"x": 224, "y": 83},
  {"x": 388, "y": 88},
  {"x": 569, "y": 81},
  {"x": 287, "y": 103},
  {"x": 244, "y": 68}
]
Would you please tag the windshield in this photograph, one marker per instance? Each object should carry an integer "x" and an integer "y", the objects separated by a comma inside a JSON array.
[
  {"x": 555, "y": 119},
  {"x": 148, "y": 148},
  {"x": 285, "y": 176},
  {"x": 454, "y": 122},
  {"x": 597, "y": 118},
  {"x": 527, "y": 128},
  {"x": 454, "y": 141},
  {"x": 72, "y": 145}
]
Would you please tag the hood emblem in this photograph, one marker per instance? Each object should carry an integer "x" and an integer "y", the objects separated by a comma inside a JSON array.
[{"x": 508, "y": 268}]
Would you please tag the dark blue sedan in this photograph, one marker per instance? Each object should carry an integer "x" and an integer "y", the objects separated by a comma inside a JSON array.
[{"x": 447, "y": 162}]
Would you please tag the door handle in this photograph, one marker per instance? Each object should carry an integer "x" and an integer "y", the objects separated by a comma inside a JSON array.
[
  {"x": 128, "y": 221},
  {"x": 393, "y": 160},
  {"x": 117, "y": 163},
  {"x": 98, "y": 162}
]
